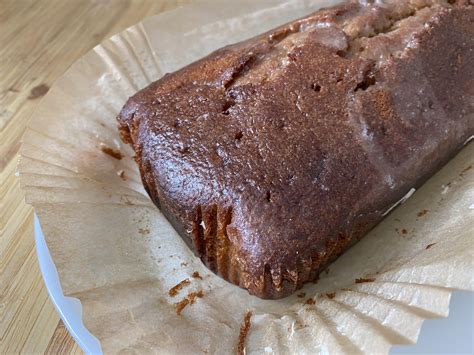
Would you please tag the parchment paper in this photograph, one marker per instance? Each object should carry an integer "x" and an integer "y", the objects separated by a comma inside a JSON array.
[{"x": 118, "y": 255}]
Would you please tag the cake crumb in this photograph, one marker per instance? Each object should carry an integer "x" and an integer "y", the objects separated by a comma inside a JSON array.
[
  {"x": 422, "y": 212},
  {"x": 190, "y": 299},
  {"x": 244, "y": 330},
  {"x": 116, "y": 154},
  {"x": 184, "y": 264},
  {"x": 181, "y": 305},
  {"x": 331, "y": 295},
  {"x": 364, "y": 280},
  {"x": 121, "y": 174},
  {"x": 310, "y": 301},
  {"x": 326, "y": 271},
  {"x": 430, "y": 245},
  {"x": 175, "y": 290},
  {"x": 401, "y": 231},
  {"x": 196, "y": 275},
  {"x": 301, "y": 295}
]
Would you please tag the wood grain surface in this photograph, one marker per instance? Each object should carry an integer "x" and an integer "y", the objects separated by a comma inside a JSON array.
[{"x": 39, "y": 40}]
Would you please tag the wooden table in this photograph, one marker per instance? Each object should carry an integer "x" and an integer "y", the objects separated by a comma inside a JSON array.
[{"x": 39, "y": 40}]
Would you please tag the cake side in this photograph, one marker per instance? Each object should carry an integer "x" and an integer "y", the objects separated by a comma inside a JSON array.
[{"x": 272, "y": 156}]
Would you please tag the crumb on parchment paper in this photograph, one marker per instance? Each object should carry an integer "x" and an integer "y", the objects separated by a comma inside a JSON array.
[
  {"x": 175, "y": 290},
  {"x": 310, "y": 301},
  {"x": 364, "y": 280},
  {"x": 196, "y": 275},
  {"x": 114, "y": 153},
  {"x": 422, "y": 212},
  {"x": 244, "y": 329},
  {"x": 190, "y": 299}
]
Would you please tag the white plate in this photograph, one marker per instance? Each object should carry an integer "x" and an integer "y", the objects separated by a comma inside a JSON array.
[{"x": 69, "y": 309}]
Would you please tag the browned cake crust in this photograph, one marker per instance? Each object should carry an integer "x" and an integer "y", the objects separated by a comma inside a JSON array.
[{"x": 272, "y": 156}]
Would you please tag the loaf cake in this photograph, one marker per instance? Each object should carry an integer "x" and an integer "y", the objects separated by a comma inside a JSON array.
[{"x": 272, "y": 156}]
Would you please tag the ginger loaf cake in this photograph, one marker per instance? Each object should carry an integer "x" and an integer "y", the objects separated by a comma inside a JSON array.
[{"x": 272, "y": 156}]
